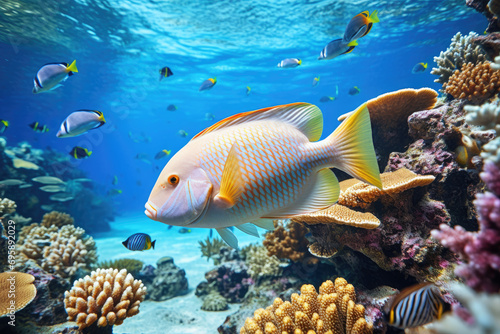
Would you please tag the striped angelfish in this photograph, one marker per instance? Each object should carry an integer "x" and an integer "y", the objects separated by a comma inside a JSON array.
[
  {"x": 139, "y": 242},
  {"x": 416, "y": 306},
  {"x": 262, "y": 165}
]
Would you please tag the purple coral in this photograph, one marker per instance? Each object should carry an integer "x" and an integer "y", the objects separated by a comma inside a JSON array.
[{"x": 480, "y": 251}]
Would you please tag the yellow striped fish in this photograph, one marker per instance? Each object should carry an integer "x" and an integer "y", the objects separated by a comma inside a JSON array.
[
  {"x": 262, "y": 164},
  {"x": 416, "y": 306}
]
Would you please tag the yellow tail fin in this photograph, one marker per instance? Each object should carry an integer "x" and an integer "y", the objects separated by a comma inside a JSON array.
[
  {"x": 72, "y": 67},
  {"x": 353, "y": 142},
  {"x": 374, "y": 17}
]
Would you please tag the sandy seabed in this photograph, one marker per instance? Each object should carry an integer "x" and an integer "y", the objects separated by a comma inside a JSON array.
[{"x": 181, "y": 314}]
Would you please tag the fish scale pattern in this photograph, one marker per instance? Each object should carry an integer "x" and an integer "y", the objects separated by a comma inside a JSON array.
[{"x": 273, "y": 163}]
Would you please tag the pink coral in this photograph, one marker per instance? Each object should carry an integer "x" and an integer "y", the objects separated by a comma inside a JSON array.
[{"x": 479, "y": 250}]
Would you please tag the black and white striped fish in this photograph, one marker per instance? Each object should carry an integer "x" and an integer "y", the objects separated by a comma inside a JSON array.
[
  {"x": 139, "y": 242},
  {"x": 416, "y": 306}
]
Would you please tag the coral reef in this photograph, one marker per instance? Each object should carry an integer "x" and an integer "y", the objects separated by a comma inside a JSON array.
[
  {"x": 487, "y": 117},
  {"x": 24, "y": 291},
  {"x": 490, "y": 44},
  {"x": 131, "y": 265},
  {"x": 214, "y": 302},
  {"x": 169, "y": 281},
  {"x": 287, "y": 243},
  {"x": 461, "y": 51},
  {"x": 210, "y": 248},
  {"x": 57, "y": 219},
  {"x": 7, "y": 206},
  {"x": 230, "y": 279},
  {"x": 474, "y": 82},
  {"x": 105, "y": 298},
  {"x": 333, "y": 310},
  {"x": 59, "y": 251},
  {"x": 479, "y": 250},
  {"x": 260, "y": 264}
]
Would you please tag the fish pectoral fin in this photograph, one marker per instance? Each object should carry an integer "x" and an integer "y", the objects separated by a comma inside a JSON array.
[
  {"x": 228, "y": 237},
  {"x": 344, "y": 116},
  {"x": 232, "y": 184},
  {"x": 323, "y": 194},
  {"x": 266, "y": 224},
  {"x": 248, "y": 229}
]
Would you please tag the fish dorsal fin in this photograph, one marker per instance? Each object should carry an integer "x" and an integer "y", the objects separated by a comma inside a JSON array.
[
  {"x": 228, "y": 237},
  {"x": 324, "y": 193},
  {"x": 248, "y": 229},
  {"x": 304, "y": 116}
]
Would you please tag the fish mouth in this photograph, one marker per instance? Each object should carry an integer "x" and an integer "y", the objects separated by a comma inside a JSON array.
[{"x": 151, "y": 210}]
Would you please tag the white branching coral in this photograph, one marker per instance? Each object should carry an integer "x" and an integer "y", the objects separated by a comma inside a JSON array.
[
  {"x": 496, "y": 64},
  {"x": 107, "y": 296},
  {"x": 59, "y": 251},
  {"x": 7, "y": 206},
  {"x": 460, "y": 51},
  {"x": 487, "y": 117}
]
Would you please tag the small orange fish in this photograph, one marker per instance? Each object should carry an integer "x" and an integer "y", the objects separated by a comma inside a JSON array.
[{"x": 262, "y": 164}]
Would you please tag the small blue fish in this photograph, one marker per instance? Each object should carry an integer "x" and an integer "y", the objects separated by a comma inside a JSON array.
[
  {"x": 139, "y": 242},
  {"x": 37, "y": 127},
  {"x": 416, "y": 306},
  {"x": 326, "y": 99},
  {"x": 208, "y": 84},
  {"x": 315, "y": 81},
  {"x": 162, "y": 154},
  {"x": 289, "y": 63},
  {"x": 3, "y": 125},
  {"x": 165, "y": 72},
  {"x": 354, "y": 90},
  {"x": 182, "y": 133},
  {"x": 184, "y": 230},
  {"x": 115, "y": 180},
  {"x": 172, "y": 107},
  {"x": 420, "y": 67},
  {"x": 248, "y": 90}
]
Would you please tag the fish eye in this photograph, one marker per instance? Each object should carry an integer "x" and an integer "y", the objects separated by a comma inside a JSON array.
[{"x": 173, "y": 179}]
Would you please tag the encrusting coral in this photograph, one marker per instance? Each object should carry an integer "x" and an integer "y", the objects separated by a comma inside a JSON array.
[
  {"x": 260, "y": 264},
  {"x": 287, "y": 243},
  {"x": 17, "y": 287},
  {"x": 475, "y": 82},
  {"x": 57, "y": 219},
  {"x": 460, "y": 52},
  {"x": 214, "y": 302},
  {"x": 332, "y": 311},
  {"x": 105, "y": 298},
  {"x": 479, "y": 250},
  {"x": 131, "y": 265},
  {"x": 59, "y": 251},
  {"x": 7, "y": 206}
]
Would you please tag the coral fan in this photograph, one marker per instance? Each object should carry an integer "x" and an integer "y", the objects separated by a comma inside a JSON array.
[
  {"x": 131, "y": 265},
  {"x": 24, "y": 289},
  {"x": 105, "y": 298},
  {"x": 57, "y": 219},
  {"x": 475, "y": 82},
  {"x": 460, "y": 52},
  {"x": 479, "y": 250},
  {"x": 61, "y": 251},
  {"x": 333, "y": 310},
  {"x": 287, "y": 243},
  {"x": 260, "y": 264}
]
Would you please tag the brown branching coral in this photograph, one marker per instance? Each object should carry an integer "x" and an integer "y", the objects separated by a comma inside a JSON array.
[
  {"x": 289, "y": 243},
  {"x": 107, "y": 297},
  {"x": 57, "y": 219},
  {"x": 475, "y": 82},
  {"x": 58, "y": 251},
  {"x": 332, "y": 311},
  {"x": 360, "y": 194}
]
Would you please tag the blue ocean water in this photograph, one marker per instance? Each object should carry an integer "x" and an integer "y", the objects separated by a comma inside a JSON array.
[{"x": 120, "y": 46}]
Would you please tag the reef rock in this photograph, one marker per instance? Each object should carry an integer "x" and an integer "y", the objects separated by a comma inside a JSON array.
[{"x": 169, "y": 281}]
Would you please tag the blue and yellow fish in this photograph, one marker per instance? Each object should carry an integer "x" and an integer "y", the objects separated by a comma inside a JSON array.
[
  {"x": 139, "y": 242},
  {"x": 165, "y": 72},
  {"x": 37, "y": 127},
  {"x": 326, "y": 99},
  {"x": 262, "y": 165},
  {"x": 184, "y": 230},
  {"x": 360, "y": 25},
  {"x": 354, "y": 90},
  {"x": 248, "y": 90},
  {"x": 315, "y": 81},
  {"x": 208, "y": 84},
  {"x": 3, "y": 125},
  {"x": 416, "y": 306},
  {"x": 78, "y": 152},
  {"x": 420, "y": 67}
]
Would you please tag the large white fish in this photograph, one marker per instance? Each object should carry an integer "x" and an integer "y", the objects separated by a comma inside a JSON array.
[
  {"x": 49, "y": 76},
  {"x": 261, "y": 164},
  {"x": 336, "y": 48},
  {"x": 79, "y": 122}
]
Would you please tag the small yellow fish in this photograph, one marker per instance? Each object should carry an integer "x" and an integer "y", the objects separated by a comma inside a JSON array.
[{"x": 263, "y": 164}]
